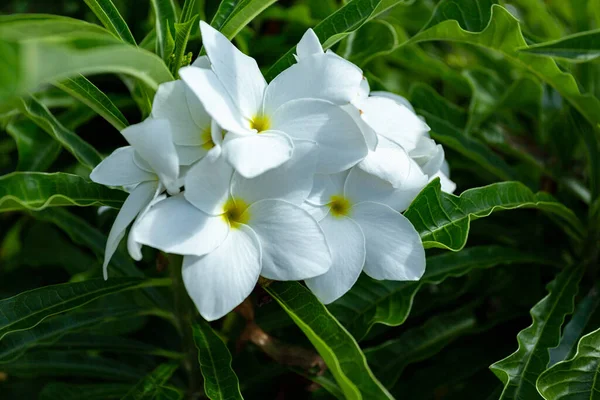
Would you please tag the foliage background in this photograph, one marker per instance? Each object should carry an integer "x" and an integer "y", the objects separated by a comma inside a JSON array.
[{"x": 504, "y": 114}]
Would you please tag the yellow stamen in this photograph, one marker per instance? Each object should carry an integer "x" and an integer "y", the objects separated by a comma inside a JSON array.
[
  {"x": 206, "y": 137},
  {"x": 261, "y": 123},
  {"x": 340, "y": 206},
  {"x": 234, "y": 212}
]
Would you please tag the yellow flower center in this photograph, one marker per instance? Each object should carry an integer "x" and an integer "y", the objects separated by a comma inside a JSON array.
[
  {"x": 206, "y": 137},
  {"x": 339, "y": 206},
  {"x": 234, "y": 212},
  {"x": 261, "y": 123}
]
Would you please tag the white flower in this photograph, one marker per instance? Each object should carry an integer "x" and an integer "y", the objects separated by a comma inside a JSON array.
[
  {"x": 263, "y": 121},
  {"x": 149, "y": 165},
  {"x": 362, "y": 235},
  {"x": 232, "y": 229}
]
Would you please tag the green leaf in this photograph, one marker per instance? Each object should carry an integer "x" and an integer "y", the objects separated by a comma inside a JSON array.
[
  {"x": 443, "y": 219},
  {"x": 86, "y": 92},
  {"x": 577, "y": 378},
  {"x": 188, "y": 11},
  {"x": 332, "y": 29},
  {"x": 164, "y": 11},
  {"x": 38, "y": 190},
  {"x": 148, "y": 386},
  {"x": 49, "y": 331},
  {"x": 27, "y": 309},
  {"x": 338, "y": 348},
  {"x": 591, "y": 139},
  {"x": 580, "y": 47},
  {"x": 388, "y": 302},
  {"x": 112, "y": 20},
  {"x": 97, "y": 391},
  {"x": 519, "y": 371},
  {"x": 374, "y": 38},
  {"x": 503, "y": 34},
  {"x": 37, "y": 150},
  {"x": 244, "y": 12},
  {"x": 225, "y": 10},
  {"x": 472, "y": 16},
  {"x": 66, "y": 364},
  {"x": 183, "y": 31},
  {"x": 42, "y": 117},
  {"x": 220, "y": 381}
]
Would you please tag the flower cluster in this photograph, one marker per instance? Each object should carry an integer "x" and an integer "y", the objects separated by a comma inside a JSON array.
[{"x": 302, "y": 178}]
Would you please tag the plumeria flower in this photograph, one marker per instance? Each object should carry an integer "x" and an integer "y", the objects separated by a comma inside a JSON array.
[
  {"x": 149, "y": 166},
  {"x": 263, "y": 121},
  {"x": 363, "y": 235},
  {"x": 231, "y": 230}
]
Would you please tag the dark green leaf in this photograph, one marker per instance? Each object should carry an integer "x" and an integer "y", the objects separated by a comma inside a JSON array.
[
  {"x": 591, "y": 138},
  {"x": 244, "y": 12},
  {"x": 164, "y": 11},
  {"x": 577, "y": 378},
  {"x": 374, "y": 38},
  {"x": 225, "y": 10},
  {"x": 147, "y": 387},
  {"x": 519, "y": 371},
  {"x": 188, "y": 11},
  {"x": 472, "y": 16},
  {"x": 338, "y": 348},
  {"x": 580, "y": 47},
  {"x": 37, "y": 150},
  {"x": 220, "y": 382},
  {"x": 110, "y": 17},
  {"x": 101, "y": 391}
]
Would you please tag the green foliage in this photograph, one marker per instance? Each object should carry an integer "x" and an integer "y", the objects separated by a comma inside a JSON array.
[{"x": 580, "y": 47}]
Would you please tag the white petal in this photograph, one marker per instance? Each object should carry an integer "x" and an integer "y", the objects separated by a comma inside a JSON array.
[
  {"x": 391, "y": 164},
  {"x": 207, "y": 184},
  {"x": 292, "y": 181},
  {"x": 394, "y": 121},
  {"x": 341, "y": 143},
  {"x": 347, "y": 244},
  {"x": 397, "y": 98},
  {"x": 394, "y": 248},
  {"x": 153, "y": 141},
  {"x": 308, "y": 45},
  {"x": 362, "y": 186},
  {"x": 175, "y": 226},
  {"x": 221, "y": 280},
  {"x": 319, "y": 76},
  {"x": 428, "y": 155},
  {"x": 133, "y": 246},
  {"x": 369, "y": 133},
  {"x": 239, "y": 73},
  {"x": 201, "y": 62},
  {"x": 171, "y": 103},
  {"x": 448, "y": 185},
  {"x": 292, "y": 242},
  {"x": 190, "y": 154},
  {"x": 317, "y": 212},
  {"x": 252, "y": 155},
  {"x": 139, "y": 198},
  {"x": 325, "y": 186},
  {"x": 120, "y": 169},
  {"x": 215, "y": 99}
]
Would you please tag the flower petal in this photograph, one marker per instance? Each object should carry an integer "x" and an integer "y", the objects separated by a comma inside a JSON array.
[
  {"x": 317, "y": 212},
  {"x": 362, "y": 186},
  {"x": 448, "y": 185},
  {"x": 308, "y": 45},
  {"x": 215, "y": 99},
  {"x": 139, "y": 198},
  {"x": 397, "y": 98},
  {"x": 390, "y": 163},
  {"x": 347, "y": 244},
  {"x": 394, "y": 248},
  {"x": 201, "y": 62},
  {"x": 252, "y": 155},
  {"x": 190, "y": 154},
  {"x": 133, "y": 246},
  {"x": 341, "y": 143},
  {"x": 292, "y": 242},
  {"x": 428, "y": 155},
  {"x": 175, "y": 226},
  {"x": 152, "y": 140},
  {"x": 291, "y": 182},
  {"x": 238, "y": 72},
  {"x": 319, "y": 76},
  {"x": 325, "y": 186},
  {"x": 120, "y": 169},
  {"x": 207, "y": 184},
  {"x": 222, "y": 279},
  {"x": 368, "y": 133}
]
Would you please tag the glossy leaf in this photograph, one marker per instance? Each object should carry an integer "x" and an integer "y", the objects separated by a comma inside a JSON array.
[
  {"x": 98, "y": 391},
  {"x": 338, "y": 348},
  {"x": 28, "y": 309},
  {"x": 371, "y": 40},
  {"x": 387, "y": 302},
  {"x": 148, "y": 386},
  {"x": 85, "y": 91},
  {"x": 472, "y": 16},
  {"x": 244, "y": 12},
  {"x": 37, "y": 150},
  {"x": 220, "y": 381},
  {"x": 443, "y": 219},
  {"x": 519, "y": 371},
  {"x": 580, "y": 47},
  {"x": 112, "y": 20},
  {"x": 225, "y": 10},
  {"x": 164, "y": 11},
  {"x": 577, "y": 378},
  {"x": 37, "y": 190}
]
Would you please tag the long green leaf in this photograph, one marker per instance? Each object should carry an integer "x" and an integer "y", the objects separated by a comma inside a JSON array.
[
  {"x": 388, "y": 302},
  {"x": 580, "y": 47},
  {"x": 220, "y": 381},
  {"x": 338, "y": 348},
  {"x": 147, "y": 387},
  {"x": 182, "y": 36},
  {"x": 85, "y": 91},
  {"x": 443, "y": 219},
  {"x": 225, "y": 10},
  {"x": 577, "y": 378},
  {"x": 112, "y": 20},
  {"x": 503, "y": 34},
  {"x": 519, "y": 371},
  {"x": 244, "y": 12},
  {"x": 38, "y": 190},
  {"x": 42, "y": 117},
  {"x": 37, "y": 150},
  {"x": 164, "y": 11},
  {"x": 97, "y": 391},
  {"x": 28, "y": 309}
]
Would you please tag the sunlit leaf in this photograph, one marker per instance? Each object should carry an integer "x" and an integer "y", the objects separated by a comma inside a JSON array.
[{"x": 110, "y": 17}]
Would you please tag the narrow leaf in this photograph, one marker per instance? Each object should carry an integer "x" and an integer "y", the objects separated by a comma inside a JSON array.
[
  {"x": 112, "y": 20},
  {"x": 97, "y": 391},
  {"x": 244, "y": 12},
  {"x": 164, "y": 11},
  {"x": 183, "y": 31},
  {"x": 580, "y": 47},
  {"x": 147, "y": 387}
]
